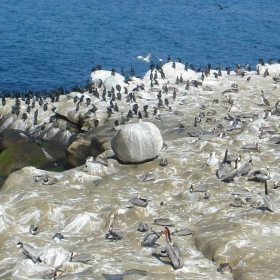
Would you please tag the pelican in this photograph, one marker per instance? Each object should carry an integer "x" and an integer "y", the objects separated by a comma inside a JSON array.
[
  {"x": 265, "y": 102},
  {"x": 221, "y": 8},
  {"x": 172, "y": 251},
  {"x": 51, "y": 273},
  {"x": 268, "y": 200},
  {"x": 124, "y": 274},
  {"x": 139, "y": 201},
  {"x": 260, "y": 175},
  {"x": 114, "y": 232},
  {"x": 29, "y": 251},
  {"x": 163, "y": 222},
  {"x": 82, "y": 258},
  {"x": 102, "y": 160},
  {"x": 50, "y": 181},
  {"x": 251, "y": 147},
  {"x": 237, "y": 202},
  {"x": 163, "y": 162},
  {"x": 57, "y": 237},
  {"x": 67, "y": 277},
  {"x": 223, "y": 167},
  {"x": 212, "y": 160},
  {"x": 142, "y": 226},
  {"x": 145, "y": 59},
  {"x": 150, "y": 238},
  {"x": 198, "y": 188},
  {"x": 196, "y": 130},
  {"x": 41, "y": 178},
  {"x": 149, "y": 177},
  {"x": 182, "y": 232},
  {"x": 229, "y": 176},
  {"x": 245, "y": 168}
]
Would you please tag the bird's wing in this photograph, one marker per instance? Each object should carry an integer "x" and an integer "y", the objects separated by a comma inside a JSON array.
[{"x": 174, "y": 254}]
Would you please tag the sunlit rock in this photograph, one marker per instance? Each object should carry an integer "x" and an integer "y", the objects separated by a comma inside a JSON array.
[{"x": 138, "y": 142}]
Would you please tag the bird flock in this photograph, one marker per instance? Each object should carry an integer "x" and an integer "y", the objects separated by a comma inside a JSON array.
[{"x": 205, "y": 120}]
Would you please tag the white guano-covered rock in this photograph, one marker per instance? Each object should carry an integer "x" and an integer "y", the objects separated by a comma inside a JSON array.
[{"x": 137, "y": 142}]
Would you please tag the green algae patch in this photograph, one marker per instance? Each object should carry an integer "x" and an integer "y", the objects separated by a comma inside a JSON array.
[{"x": 28, "y": 154}]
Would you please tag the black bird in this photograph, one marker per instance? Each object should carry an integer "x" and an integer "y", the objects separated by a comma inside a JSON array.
[
  {"x": 163, "y": 162},
  {"x": 58, "y": 236},
  {"x": 221, "y": 8},
  {"x": 24, "y": 116},
  {"x": 34, "y": 229},
  {"x": 36, "y": 114}
]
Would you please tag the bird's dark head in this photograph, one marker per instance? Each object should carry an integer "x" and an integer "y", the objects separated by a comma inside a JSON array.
[{"x": 19, "y": 245}]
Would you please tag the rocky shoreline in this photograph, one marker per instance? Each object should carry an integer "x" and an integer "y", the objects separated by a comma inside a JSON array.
[{"x": 197, "y": 114}]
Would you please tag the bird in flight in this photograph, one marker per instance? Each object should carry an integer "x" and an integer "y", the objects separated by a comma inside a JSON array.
[
  {"x": 145, "y": 59},
  {"x": 221, "y": 8}
]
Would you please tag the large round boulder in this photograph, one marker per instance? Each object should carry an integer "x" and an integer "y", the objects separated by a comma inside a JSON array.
[{"x": 137, "y": 142}]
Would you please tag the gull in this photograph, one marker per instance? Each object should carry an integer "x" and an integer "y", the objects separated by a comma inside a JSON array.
[{"x": 145, "y": 59}]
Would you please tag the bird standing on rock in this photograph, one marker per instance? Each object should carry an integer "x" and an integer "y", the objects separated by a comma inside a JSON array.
[
  {"x": 265, "y": 102},
  {"x": 207, "y": 195},
  {"x": 172, "y": 250},
  {"x": 29, "y": 251},
  {"x": 34, "y": 229}
]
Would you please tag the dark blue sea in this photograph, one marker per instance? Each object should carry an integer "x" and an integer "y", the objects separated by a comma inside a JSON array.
[{"x": 47, "y": 44}]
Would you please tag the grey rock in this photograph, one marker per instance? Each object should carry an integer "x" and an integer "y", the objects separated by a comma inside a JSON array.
[{"x": 137, "y": 142}]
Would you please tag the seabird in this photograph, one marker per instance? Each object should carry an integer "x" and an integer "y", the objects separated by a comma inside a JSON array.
[
  {"x": 207, "y": 195},
  {"x": 57, "y": 237},
  {"x": 163, "y": 222},
  {"x": 149, "y": 177},
  {"x": 139, "y": 201},
  {"x": 172, "y": 251},
  {"x": 268, "y": 201},
  {"x": 142, "y": 226},
  {"x": 150, "y": 238},
  {"x": 34, "y": 229},
  {"x": 145, "y": 59},
  {"x": 224, "y": 268},
  {"x": 182, "y": 232},
  {"x": 67, "y": 277},
  {"x": 114, "y": 232},
  {"x": 212, "y": 160},
  {"x": 123, "y": 275},
  {"x": 198, "y": 188},
  {"x": 82, "y": 258},
  {"x": 265, "y": 102},
  {"x": 237, "y": 202},
  {"x": 29, "y": 251}
]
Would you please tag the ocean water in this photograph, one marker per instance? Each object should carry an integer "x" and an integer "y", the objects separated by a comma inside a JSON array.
[{"x": 48, "y": 44}]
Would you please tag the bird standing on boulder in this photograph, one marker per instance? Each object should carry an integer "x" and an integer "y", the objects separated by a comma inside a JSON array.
[
  {"x": 172, "y": 251},
  {"x": 29, "y": 251}
]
